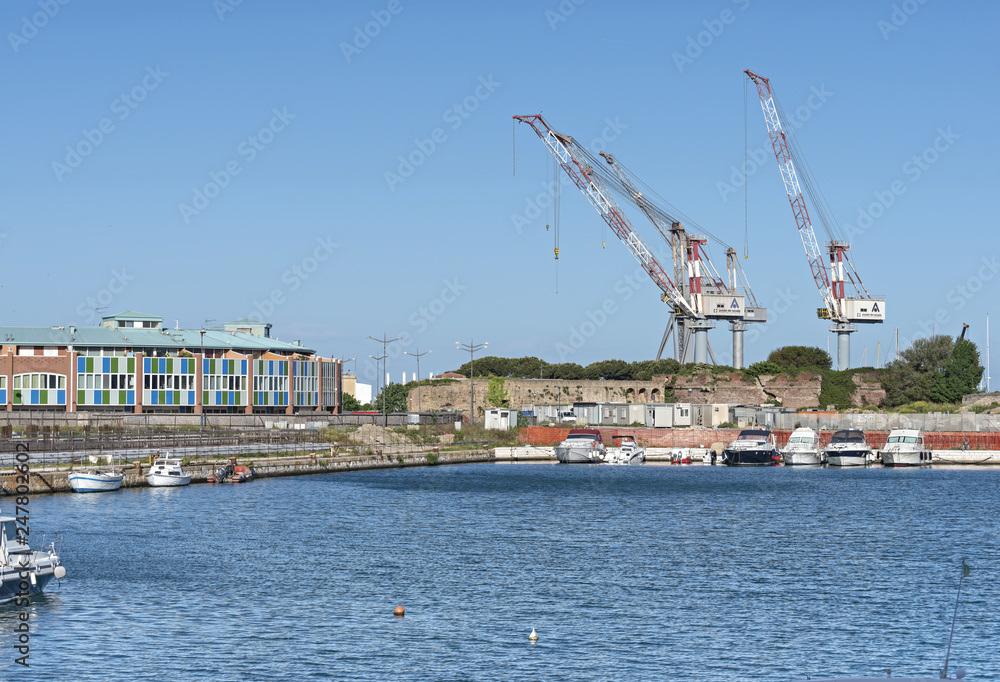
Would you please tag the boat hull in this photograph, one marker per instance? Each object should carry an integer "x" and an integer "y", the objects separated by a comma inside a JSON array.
[
  {"x": 848, "y": 458},
  {"x": 578, "y": 455},
  {"x": 93, "y": 483},
  {"x": 914, "y": 458},
  {"x": 10, "y": 585},
  {"x": 749, "y": 458},
  {"x": 158, "y": 480},
  {"x": 802, "y": 458}
]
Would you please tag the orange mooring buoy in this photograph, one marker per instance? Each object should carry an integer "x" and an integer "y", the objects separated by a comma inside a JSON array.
[{"x": 399, "y": 611}]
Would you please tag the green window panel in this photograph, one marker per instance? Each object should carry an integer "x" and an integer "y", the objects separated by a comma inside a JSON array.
[
  {"x": 81, "y": 397},
  {"x": 90, "y": 365},
  {"x": 177, "y": 397},
  {"x": 204, "y": 398},
  {"x": 122, "y": 398},
  {"x": 170, "y": 365},
  {"x": 105, "y": 397},
  {"x": 211, "y": 366}
]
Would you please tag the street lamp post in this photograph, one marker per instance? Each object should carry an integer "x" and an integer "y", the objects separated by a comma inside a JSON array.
[
  {"x": 384, "y": 341},
  {"x": 472, "y": 348},
  {"x": 417, "y": 356}
]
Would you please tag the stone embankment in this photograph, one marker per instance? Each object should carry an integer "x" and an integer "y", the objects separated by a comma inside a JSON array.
[{"x": 54, "y": 480}]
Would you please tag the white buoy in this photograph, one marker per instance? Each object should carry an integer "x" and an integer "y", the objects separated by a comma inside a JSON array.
[{"x": 533, "y": 636}]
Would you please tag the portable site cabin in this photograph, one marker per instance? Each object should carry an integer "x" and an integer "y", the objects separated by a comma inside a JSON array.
[{"x": 501, "y": 418}]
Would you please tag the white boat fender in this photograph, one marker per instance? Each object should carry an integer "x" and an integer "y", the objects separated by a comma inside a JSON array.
[
  {"x": 533, "y": 636},
  {"x": 34, "y": 581},
  {"x": 59, "y": 573}
]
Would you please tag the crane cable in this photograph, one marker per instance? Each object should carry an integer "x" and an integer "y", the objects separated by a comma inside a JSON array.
[{"x": 746, "y": 177}]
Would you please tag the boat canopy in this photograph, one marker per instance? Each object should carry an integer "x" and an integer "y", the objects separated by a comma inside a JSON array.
[{"x": 848, "y": 436}]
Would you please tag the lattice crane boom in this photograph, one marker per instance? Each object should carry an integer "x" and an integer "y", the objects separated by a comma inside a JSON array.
[
  {"x": 788, "y": 175},
  {"x": 600, "y": 198}
]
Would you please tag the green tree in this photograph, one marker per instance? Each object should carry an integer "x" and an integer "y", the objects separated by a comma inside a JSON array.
[
  {"x": 395, "y": 398},
  {"x": 609, "y": 369},
  {"x": 795, "y": 357},
  {"x": 644, "y": 370},
  {"x": 933, "y": 370},
  {"x": 496, "y": 396},
  {"x": 759, "y": 368},
  {"x": 352, "y": 404}
]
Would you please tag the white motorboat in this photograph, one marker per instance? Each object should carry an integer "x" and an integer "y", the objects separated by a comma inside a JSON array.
[
  {"x": 24, "y": 571},
  {"x": 802, "y": 448},
  {"x": 905, "y": 448},
  {"x": 848, "y": 448},
  {"x": 753, "y": 447},
  {"x": 95, "y": 481},
  {"x": 627, "y": 452},
  {"x": 582, "y": 446},
  {"x": 167, "y": 471}
]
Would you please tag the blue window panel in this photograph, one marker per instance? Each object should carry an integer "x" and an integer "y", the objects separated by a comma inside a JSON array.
[
  {"x": 190, "y": 397},
  {"x": 3, "y": 396},
  {"x": 184, "y": 365},
  {"x": 34, "y": 398},
  {"x": 145, "y": 365},
  {"x": 130, "y": 397},
  {"x": 81, "y": 365},
  {"x": 243, "y": 367},
  {"x": 232, "y": 397},
  {"x": 153, "y": 397},
  {"x": 106, "y": 365},
  {"x": 96, "y": 399},
  {"x": 270, "y": 367},
  {"x": 61, "y": 397},
  {"x": 169, "y": 398}
]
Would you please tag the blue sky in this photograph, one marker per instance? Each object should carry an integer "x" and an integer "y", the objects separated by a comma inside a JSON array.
[{"x": 208, "y": 160}]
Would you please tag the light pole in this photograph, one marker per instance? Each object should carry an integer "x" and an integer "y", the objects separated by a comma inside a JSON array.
[
  {"x": 472, "y": 348},
  {"x": 384, "y": 341},
  {"x": 417, "y": 356},
  {"x": 376, "y": 358}
]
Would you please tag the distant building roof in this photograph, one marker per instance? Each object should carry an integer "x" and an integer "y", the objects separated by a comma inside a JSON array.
[
  {"x": 450, "y": 375},
  {"x": 133, "y": 315},
  {"x": 134, "y": 337}
]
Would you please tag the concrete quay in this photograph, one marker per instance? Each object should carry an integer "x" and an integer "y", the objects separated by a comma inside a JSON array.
[{"x": 44, "y": 480}]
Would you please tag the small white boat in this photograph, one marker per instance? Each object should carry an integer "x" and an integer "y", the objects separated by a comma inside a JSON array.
[
  {"x": 753, "y": 447},
  {"x": 167, "y": 471},
  {"x": 628, "y": 452},
  {"x": 848, "y": 448},
  {"x": 95, "y": 481},
  {"x": 582, "y": 446},
  {"x": 905, "y": 448},
  {"x": 24, "y": 571},
  {"x": 802, "y": 448}
]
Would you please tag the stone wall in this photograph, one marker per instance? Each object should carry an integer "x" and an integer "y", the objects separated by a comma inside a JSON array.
[{"x": 800, "y": 391}]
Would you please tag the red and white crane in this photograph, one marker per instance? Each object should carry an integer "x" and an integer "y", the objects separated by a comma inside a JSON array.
[
  {"x": 842, "y": 310},
  {"x": 694, "y": 307}
]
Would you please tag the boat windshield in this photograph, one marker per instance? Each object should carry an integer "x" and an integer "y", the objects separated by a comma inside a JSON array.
[
  {"x": 902, "y": 439},
  {"x": 581, "y": 436},
  {"x": 754, "y": 435},
  {"x": 848, "y": 437}
]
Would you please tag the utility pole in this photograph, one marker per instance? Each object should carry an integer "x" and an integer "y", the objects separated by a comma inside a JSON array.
[
  {"x": 417, "y": 356},
  {"x": 472, "y": 348},
  {"x": 385, "y": 342}
]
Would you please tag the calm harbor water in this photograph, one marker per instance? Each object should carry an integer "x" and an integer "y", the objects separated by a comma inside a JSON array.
[{"x": 649, "y": 572}]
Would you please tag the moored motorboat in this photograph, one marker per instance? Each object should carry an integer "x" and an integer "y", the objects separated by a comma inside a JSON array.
[
  {"x": 627, "y": 452},
  {"x": 753, "y": 447},
  {"x": 24, "y": 571},
  {"x": 847, "y": 448},
  {"x": 240, "y": 474},
  {"x": 802, "y": 448},
  {"x": 167, "y": 471},
  {"x": 95, "y": 481},
  {"x": 905, "y": 448},
  {"x": 582, "y": 446}
]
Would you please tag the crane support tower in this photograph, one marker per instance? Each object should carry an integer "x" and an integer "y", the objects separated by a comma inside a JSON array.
[
  {"x": 843, "y": 310},
  {"x": 696, "y": 294}
]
